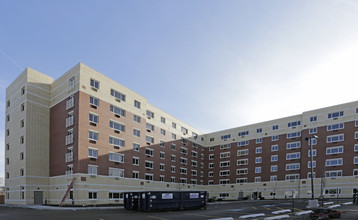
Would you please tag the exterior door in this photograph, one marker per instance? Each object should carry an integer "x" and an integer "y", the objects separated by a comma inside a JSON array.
[{"x": 38, "y": 197}]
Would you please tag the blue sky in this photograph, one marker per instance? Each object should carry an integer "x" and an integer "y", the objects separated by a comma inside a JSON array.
[{"x": 212, "y": 64}]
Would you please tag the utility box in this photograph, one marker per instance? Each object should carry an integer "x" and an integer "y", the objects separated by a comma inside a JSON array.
[{"x": 165, "y": 200}]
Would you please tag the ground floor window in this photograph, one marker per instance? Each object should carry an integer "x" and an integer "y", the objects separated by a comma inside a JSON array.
[
  {"x": 115, "y": 195},
  {"x": 92, "y": 195}
]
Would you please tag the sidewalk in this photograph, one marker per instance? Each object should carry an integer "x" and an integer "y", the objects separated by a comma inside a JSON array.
[{"x": 45, "y": 207}]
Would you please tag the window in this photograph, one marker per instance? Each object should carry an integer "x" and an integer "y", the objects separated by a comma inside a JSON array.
[
  {"x": 258, "y": 140},
  {"x": 23, "y": 90},
  {"x": 274, "y": 147},
  {"x": 117, "y": 111},
  {"x": 183, "y": 170},
  {"x": 149, "y": 152},
  {"x": 162, "y": 119},
  {"x": 211, "y": 139},
  {"x": 136, "y": 161},
  {"x": 116, "y": 141},
  {"x": 225, "y": 155},
  {"x": 22, "y": 123},
  {"x": 258, "y": 160},
  {"x": 183, "y": 180},
  {"x": 116, "y": 157},
  {"x": 93, "y": 118},
  {"x": 273, "y": 178},
  {"x": 242, "y": 143},
  {"x": 149, "y": 164},
  {"x": 274, "y": 138},
  {"x": 116, "y": 126},
  {"x": 242, "y": 162},
  {"x": 225, "y": 164},
  {"x": 334, "y": 162},
  {"x": 69, "y": 137},
  {"x": 173, "y": 146},
  {"x": 275, "y": 127},
  {"x": 71, "y": 84},
  {"x": 162, "y": 155},
  {"x": 273, "y": 168},
  {"x": 114, "y": 196},
  {"x": 293, "y": 166},
  {"x": 174, "y": 136},
  {"x": 293, "y": 145},
  {"x": 92, "y": 170},
  {"x": 257, "y": 169},
  {"x": 335, "y": 114},
  {"x": 334, "y": 150},
  {"x": 355, "y": 172},
  {"x": 22, "y": 156},
  {"x": 162, "y": 131},
  {"x": 258, "y": 150},
  {"x": 356, "y": 135},
  {"x": 8, "y": 133},
  {"x": 225, "y": 146},
  {"x": 161, "y": 178},
  {"x": 211, "y": 174},
  {"x": 294, "y": 123},
  {"x": 22, "y": 172},
  {"x": 194, "y": 154},
  {"x": 149, "y": 127},
  {"x": 224, "y": 137},
  {"x": 225, "y": 181},
  {"x": 94, "y": 84},
  {"x": 314, "y": 153},
  {"x": 92, "y": 195},
  {"x": 243, "y": 133},
  {"x": 293, "y": 135},
  {"x": 242, "y": 152},
  {"x": 136, "y": 118},
  {"x": 333, "y": 173},
  {"x": 293, "y": 156},
  {"x": 119, "y": 96},
  {"x": 162, "y": 167},
  {"x": 150, "y": 114},
  {"x": 183, "y": 150},
  {"x": 184, "y": 130},
  {"x": 94, "y": 101},
  {"x": 243, "y": 171},
  {"x": 194, "y": 163},
  {"x": 172, "y": 169},
  {"x": 312, "y": 130},
  {"x": 136, "y": 147},
  {"x": 136, "y": 132},
  {"x": 135, "y": 174},
  {"x": 92, "y": 153},
  {"x": 183, "y": 161},
  {"x": 69, "y": 103},
  {"x": 22, "y": 140},
  {"x": 172, "y": 179},
  {"x": 313, "y": 118},
  {"x": 290, "y": 177},
  {"x": 211, "y": 165},
  {"x": 309, "y": 164},
  {"x": 274, "y": 158},
  {"x": 149, "y": 139},
  {"x": 356, "y": 148},
  {"x": 136, "y": 104},
  {"x": 115, "y": 172},
  {"x": 257, "y": 179},
  {"x": 8, "y": 117},
  {"x": 259, "y": 130},
  {"x": 211, "y": 156},
  {"x": 174, "y": 125},
  {"x": 92, "y": 135},
  {"x": 335, "y": 127},
  {"x": 241, "y": 180},
  {"x": 335, "y": 138},
  {"x": 172, "y": 158}
]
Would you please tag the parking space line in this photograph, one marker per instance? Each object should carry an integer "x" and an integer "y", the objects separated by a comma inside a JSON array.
[
  {"x": 209, "y": 216},
  {"x": 253, "y": 207},
  {"x": 157, "y": 217}
]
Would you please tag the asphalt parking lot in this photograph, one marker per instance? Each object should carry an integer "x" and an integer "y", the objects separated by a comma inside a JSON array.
[{"x": 269, "y": 209}]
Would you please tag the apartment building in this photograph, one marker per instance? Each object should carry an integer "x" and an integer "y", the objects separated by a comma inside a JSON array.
[{"x": 89, "y": 135}]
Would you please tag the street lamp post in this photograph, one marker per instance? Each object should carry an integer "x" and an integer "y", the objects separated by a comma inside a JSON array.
[{"x": 309, "y": 139}]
